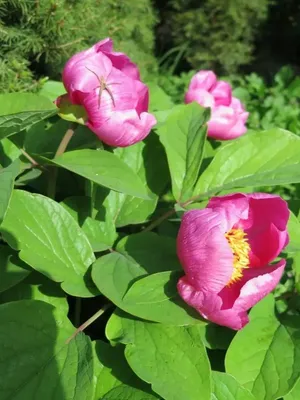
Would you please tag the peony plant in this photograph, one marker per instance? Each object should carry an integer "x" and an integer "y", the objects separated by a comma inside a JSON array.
[{"x": 140, "y": 259}]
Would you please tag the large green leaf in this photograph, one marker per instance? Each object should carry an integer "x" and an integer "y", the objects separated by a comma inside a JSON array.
[
  {"x": 9, "y": 152},
  {"x": 37, "y": 287},
  {"x": 216, "y": 336},
  {"x": 155, "y": 175},
  {"x": 104, "y": 168},
  {"x": 265, "y": 355},
  {"x": 152, "y": 252},
  {"x": 173, "y": 359},
  {"x": 50, "y": 241},
  {"x": 112, "y": 370},
  {"x": 294, "y": 394},
  {"x": 52, "y": 89},
  {"x": 35, "y": 361},
  {"x": 256, "y": 159},
  {"x": 97, "y": 225},
  {"x": 294, "y": 235},
  {"x": 159, "y": 100},
  {"x": 21, "y": 110},
  {"x": 114, "y": 273},
  {"x": 7, "y": 178},
  {"x": 12, "y": 269},
  {"x": 126, "y": 392},
  {"x": 225, "y": 387},
  {"x": 44, "y": 138},
  {"x": 156, "y": 295},
  {"x": 183, "y": 136}
]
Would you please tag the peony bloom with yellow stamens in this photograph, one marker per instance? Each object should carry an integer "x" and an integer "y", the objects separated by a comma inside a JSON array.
[{"x": 226, "y": 250}]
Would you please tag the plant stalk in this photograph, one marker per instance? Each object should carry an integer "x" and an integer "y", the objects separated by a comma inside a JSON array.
[
  {"x": 89, "y": 322},
  {"x": 60, "y": 150}
]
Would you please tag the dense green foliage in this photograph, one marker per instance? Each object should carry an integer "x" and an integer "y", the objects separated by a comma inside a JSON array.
[
  {"x": 37, "y": 37},
  {"x": 215, "y": 34},
  {"x": 95, "y": 257}
]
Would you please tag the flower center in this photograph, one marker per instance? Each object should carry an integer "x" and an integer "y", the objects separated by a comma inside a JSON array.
[{"x": 240, "y": 247}]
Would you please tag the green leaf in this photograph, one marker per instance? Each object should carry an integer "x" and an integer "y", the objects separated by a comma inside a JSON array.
[
  {"x": 120, "y": 328},
  {"x": 97, "y": 225},
  {"x": 9, "y": 152},
  {"x": 216, "y": 336},
  {"x": 265, "y": 356},
  {"x": 112, "y": 369},
  {"x": 44, "y": 138},
  {"x": 7, "y": 178},
  {"x": 114, "y": 273},
  {"x": 256, "y": 159},
  {"x": 173, "y": 359},
  {"x": 125, "y": 392},
  {"x": 294, "y": 234},
  {"x": 12, "y": 269},
  {"x": 21, "y": 110},
  {"x": 37, "y": 287},
  {"x": 156, "y": 295},
  {"x": 295, "y": 392},
  {"x": 104, "y": 168},
  {"x": 152, "y": 252},
  {"x": 225, "y": 387},
  {"x": 52, "y": 90},
  {"x": 35, "y": 361},
  {"x": 50, "y": 241},
  {"x": 155, "y": 176},
  {"x": 183, "y": 136},
  {"x": 159, "y": 100}
]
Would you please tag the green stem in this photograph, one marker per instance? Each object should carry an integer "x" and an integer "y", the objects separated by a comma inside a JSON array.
[
  {"x": 89, "y": 322},
  {"x": 29, "y": 158},
  {"x": 60, "y": 150},
  {"x": 169, "y": 213},
  {"x": 159, "y": 220},
  {"x": 65, "y": 140}
]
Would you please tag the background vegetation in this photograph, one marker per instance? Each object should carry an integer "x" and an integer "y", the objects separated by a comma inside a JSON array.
[
  {"x": 172, "y": 37},
  {"x": 38, "y": 36}
]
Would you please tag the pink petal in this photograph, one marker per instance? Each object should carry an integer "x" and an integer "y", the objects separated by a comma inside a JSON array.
[
  {"x": 257, "y": 283},
  {"x": 234, "y": 206},
  {"x": 222, "y": 93},
  {"x": 229, "y": 307},
  {"x": 221, "y": 122},
  {"x": 209, "y": 306},
  {"x": 237, "y": 130},
  {"x": 84, "y": 75},
  {"x": 122, "y": 95},
  {"x": 266, "y": 227},
  {"x": 203, "y": 250},
  {"x": 77, "y": 58},
  {"x": 123, "y": 128},
  {"x": 203, "y": 80},
  {"x": 237, "y": 105},
  {"x": 201, "y": 96},
  {"x": 264, "y": 218},
  {"x": 143, "y": 97},
  {"x": 104, "y": 45},
  {"x": 119, "y": 60}
]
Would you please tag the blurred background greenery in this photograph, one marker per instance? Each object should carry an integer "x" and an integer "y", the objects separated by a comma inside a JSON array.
[{"x": 253, "y": 44}]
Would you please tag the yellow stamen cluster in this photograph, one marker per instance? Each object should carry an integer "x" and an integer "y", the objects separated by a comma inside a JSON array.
[{"x": 240, "y": 248}]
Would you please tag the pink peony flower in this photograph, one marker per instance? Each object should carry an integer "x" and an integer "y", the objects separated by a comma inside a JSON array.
[
  {"x": 107, "y": 84},
  {"x": 228, "y": 116},
  {"x": 226, "y": 250}
]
